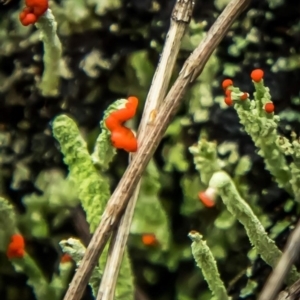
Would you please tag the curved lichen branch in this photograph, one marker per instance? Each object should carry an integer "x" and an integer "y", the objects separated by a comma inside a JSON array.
[
  {"x": 93, "y": 190},
  {"x": 47, "y": 25},
  {"x": 104, "y": 151},
  {"x": 238, "y": 207},
  {"x": 76, "y": 250},
  {"x": 206, "y": 262},
  {"x": 205, "y": 159}
]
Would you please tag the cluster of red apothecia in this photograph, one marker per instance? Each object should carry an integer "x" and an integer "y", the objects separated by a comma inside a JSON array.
[
  {"x": 208, "y": 197},
  {"x": 16, "y": 247},
  {"x": 256, "y": 75},
  {"x": 33, "y": 10},
  {"x": 121, "y": 136}
]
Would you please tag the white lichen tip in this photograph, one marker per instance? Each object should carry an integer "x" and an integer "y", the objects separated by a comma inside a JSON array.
[
  {"x": 195, "y": 236},
  {"x": 219, "y": 180}
]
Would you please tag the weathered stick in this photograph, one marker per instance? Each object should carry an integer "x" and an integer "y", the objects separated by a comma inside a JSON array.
[
  {"x": 290, "y": 254},
  {"x": 292, "y": 293},
  {"x": 180, "y": 19},
  {"x": 117, "y": 203}
]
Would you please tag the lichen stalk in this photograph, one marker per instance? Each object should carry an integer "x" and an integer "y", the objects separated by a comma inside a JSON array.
[
  {"x": 238, "y": 207},
  {"x": 36, "y": 279},
  {"x": 76, "y": 250},
  {"x": 47, "y": 25},
  {"x": 93, "y": 190},
  {"x": 262, "y": 128},
  {"x": 206, "y": 262},
  {"x": 205, "y": 159}
]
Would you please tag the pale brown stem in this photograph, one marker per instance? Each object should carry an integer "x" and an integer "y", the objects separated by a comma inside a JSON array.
[
  {"x": 275, "y": 280},
  {"x": 180, "y": 19},
  {"x": 119, "y": 199},
  {"x": 292, "y": 293}
]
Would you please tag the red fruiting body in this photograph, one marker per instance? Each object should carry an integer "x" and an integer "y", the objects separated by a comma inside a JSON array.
[
  {"x": 132, "y": 103},
  {"x": 228, "y": 101},
  {"x": 33, "y": 10},
  {"x": 121, "y": 136},
  {"x": 244, "y": 96},
  {"x": 39, "y": 6},
  {"x": 226, "y": 83},
  {"x": 126, "y": 113},
  {"x": 16, "y": 247},
  {"x": 149, "y": 239},
  {"x": 112, "y": 123},
  {"x": 269, "y": 107},
  {"x": 27, "y": 18},
  {"x": 206, "y": 199},
  {"x": 65, "y": 258},
  {"x": 228, "y": 93},
  {"x": 257, "y": 75}
]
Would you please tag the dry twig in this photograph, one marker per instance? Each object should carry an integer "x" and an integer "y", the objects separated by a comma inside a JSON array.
[
  {"x": 277, "y": 277},
  {"x": 117, "y": 203},
  {"x": 180, "y": 19},
  {"x": 292, "y": 293}
]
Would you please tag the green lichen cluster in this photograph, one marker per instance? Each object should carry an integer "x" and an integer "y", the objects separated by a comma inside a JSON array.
[
  {"x": 262, "y": 127},
  {"x": 224, "y": 186},
  {"x": 239, "y": 208},
  {"x": 92, "y": 186},
  {"x": 43, "y": 289},
  {"x": 88, "y": 184}
]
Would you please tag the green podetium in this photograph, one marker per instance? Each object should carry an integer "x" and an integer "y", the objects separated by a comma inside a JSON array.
[{"x": 238, "y": 207}]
